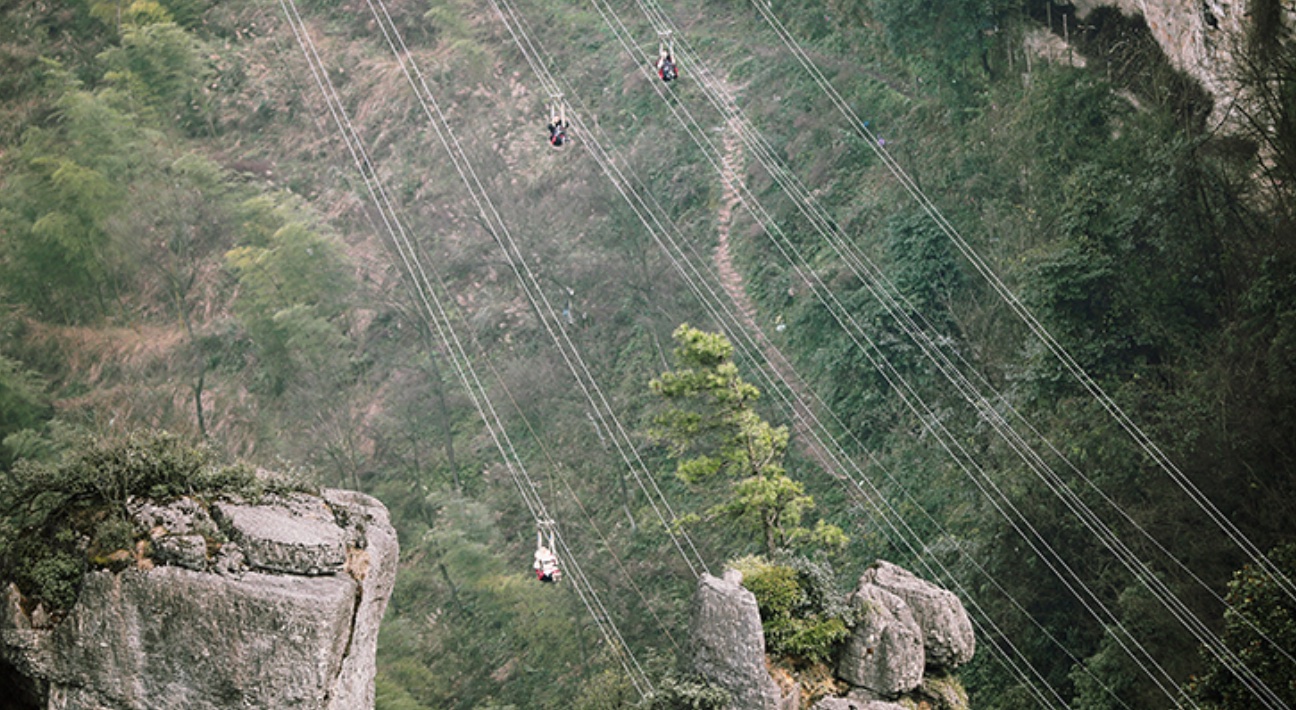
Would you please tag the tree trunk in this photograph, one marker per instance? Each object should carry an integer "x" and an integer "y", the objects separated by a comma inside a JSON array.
[
  {"x": 198, "y": 405},
  {"x": 447, "y": 430}
]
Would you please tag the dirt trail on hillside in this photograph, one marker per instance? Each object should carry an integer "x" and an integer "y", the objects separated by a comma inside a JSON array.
[{"x": 732, "y": 282}]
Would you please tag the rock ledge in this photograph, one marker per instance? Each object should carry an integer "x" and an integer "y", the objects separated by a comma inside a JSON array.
[{"x": 275, "y": 605}]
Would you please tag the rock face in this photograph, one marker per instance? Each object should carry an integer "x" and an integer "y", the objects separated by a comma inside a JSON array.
[
  {"x": 727, "y": 644},
  {"x": 885, "y": 650},
  {"x": 909, "y": 628},
  {"x": 832, "y": 703},
  {"x": 283, "y": 613},
  {"x": 948, "y": 640},
  {"x": 1199, "y": 36}
]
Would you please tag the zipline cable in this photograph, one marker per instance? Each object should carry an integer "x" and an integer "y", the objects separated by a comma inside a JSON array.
[
  {"x": 827, "y": 228},
  {"x": 400, "y": 239},
  {"x": 1072, "y": 366},
  {"x": 526, "y": 278}
]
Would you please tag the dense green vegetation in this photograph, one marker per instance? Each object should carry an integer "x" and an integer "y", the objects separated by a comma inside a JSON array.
[
  {"x": 805, "y": 618},
  {"x": 184, "y": 244},
  {"x": 712, "y": 428},
  {"x": 1262, "y": 612},
  {"x": 59, "y": 519}
]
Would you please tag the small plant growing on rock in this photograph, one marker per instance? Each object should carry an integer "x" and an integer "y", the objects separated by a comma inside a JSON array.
[
  {"x": 804, "y": 620},
  {"x": 58, "y": 520},
  {"x": 677, "y": 692}
]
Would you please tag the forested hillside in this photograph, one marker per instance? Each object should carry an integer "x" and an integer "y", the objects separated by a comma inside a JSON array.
[{"x": 1018, "y": 315}]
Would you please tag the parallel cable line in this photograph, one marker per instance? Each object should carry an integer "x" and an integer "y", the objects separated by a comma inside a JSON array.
[
  {"x": 828, "y": 229},
  {"x": 441, "y": 322},
  {"x": 607, "y": 544},
  {"x": 503, "y": 237},
  {"x": 595, "y": 148},
  {"x": 1072, "y": 366}
]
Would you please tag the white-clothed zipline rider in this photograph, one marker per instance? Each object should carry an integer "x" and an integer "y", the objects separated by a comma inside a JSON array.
[
  {"x": 666, "y": 68},
  {"x": 557, "y": 122},
  {"x": 546, "y": 562}
]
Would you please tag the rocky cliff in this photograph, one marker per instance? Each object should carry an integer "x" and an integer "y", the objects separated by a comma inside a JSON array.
[
  {"x": 1201, "y": 37},
  {"x": 224, "y": 604},
  {"x": 727, "y": 646},
  {"x": 910, "y": 636}
]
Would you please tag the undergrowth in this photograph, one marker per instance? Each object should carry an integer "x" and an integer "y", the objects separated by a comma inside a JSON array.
[
  {"x": 59, "y": 520},
  {"x": 804, "y": 619}
]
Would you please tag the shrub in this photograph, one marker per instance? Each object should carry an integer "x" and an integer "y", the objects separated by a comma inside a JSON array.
[
  {"x": 675, "y": 692},
  {"x": 58, "y": 520},
  {"x": 803, "y": 618}
]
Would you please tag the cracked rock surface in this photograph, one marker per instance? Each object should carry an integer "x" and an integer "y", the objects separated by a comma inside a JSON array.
[{"x": 255, "y": 606}]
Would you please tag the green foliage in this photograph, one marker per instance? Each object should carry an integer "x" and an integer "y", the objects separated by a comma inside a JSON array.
[
  {"x": 1260, "y": 627},
  {"x": 803, "y": 618},
  {"x": 389, "y": 695},
  {"x": 609, "y": 690},
  {"x": 162, "y": 68},
  {"x": 53, "y": 517},
  {"x": 24, "y": 405},
  {"x": 714, "y": 431},
  {"x": 943, "y": 36},
  {"x": 1149, "y": 249},
  {"x": 487, "y": 628},
  {"x": 676, "y": 692},
  {"x": 924, "y": 266},
  {"x": 292, "y": 291},
  {"x": 62, "y": 258}
]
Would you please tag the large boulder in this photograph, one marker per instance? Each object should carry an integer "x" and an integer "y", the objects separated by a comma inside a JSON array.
[
  {"x": 947, "y": 636},
  {"x": 296, "y": 535},
  {"x": 727, "y": 643},
  {"x": 885, "y": 650},
  {"x": 202, "y": 628},
  {"x": 849, "y": 703}
]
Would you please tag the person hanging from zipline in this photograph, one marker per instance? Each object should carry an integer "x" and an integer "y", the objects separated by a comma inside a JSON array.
[
  {"x": 666, "y": 68},
  {"x": 546, "y": 562},
  {"x": 557, "y": 123}
]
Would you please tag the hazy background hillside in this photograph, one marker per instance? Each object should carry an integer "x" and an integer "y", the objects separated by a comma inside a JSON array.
[{"x": 185, "y": 243}]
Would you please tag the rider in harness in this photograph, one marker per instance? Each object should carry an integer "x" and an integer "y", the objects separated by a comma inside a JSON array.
[
  {"x": 546, "y": 562},
  {"x": 557, "y": 125},
  {"x": 666, "y": 64}
]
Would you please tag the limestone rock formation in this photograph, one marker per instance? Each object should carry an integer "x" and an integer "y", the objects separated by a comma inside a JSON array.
[
  {"x": 727, "y": 646},
  {"x": 948, "y": 640},
  {"x": 286, "y": 617},
  {"x": 885, "y": 650},
  {"x": 1200, "y": 37},
  {"x": 832, "y": 703},
  {"x": 885, "y": 664}
]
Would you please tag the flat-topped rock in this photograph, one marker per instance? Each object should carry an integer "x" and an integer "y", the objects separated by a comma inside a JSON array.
[
  {"x": 294, "y": 534},
  {"x": 201, "y": 626}
]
